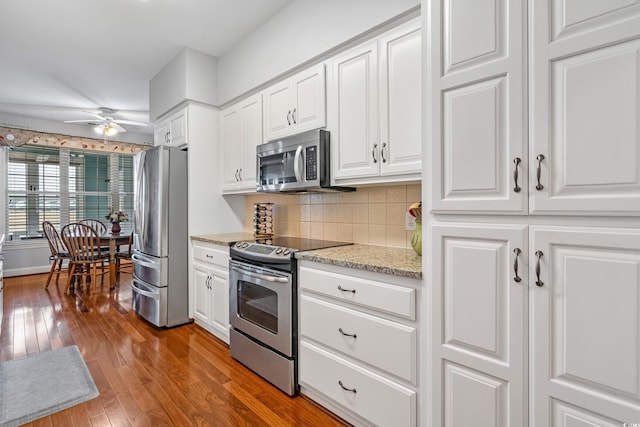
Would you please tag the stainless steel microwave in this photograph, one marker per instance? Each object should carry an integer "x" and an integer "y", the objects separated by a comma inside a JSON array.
[{"x": 300, "y": 163}]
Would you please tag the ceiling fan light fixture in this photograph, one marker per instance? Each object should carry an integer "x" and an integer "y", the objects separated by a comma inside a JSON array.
[{"x": 105, "y": 130}]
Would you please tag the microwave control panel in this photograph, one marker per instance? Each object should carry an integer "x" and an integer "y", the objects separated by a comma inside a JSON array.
[{"x": 311, "y": 163}]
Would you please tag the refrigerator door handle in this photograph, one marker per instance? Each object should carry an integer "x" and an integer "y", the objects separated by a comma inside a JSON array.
[
  {"x": 143, "y": 292},
  {"x": 142, "y": 261}
]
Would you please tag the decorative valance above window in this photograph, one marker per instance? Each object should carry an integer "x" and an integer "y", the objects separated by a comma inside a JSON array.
[{"x": 18, "y": 137}]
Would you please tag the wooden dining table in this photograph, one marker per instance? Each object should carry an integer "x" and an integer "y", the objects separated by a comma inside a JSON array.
[{"x": 113, "y": 240}]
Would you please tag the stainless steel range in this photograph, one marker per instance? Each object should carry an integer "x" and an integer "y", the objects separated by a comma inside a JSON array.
[{"x": 263, "y": 310}]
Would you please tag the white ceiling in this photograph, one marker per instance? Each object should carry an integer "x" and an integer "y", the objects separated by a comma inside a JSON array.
[{"x": 58, "y": 58}]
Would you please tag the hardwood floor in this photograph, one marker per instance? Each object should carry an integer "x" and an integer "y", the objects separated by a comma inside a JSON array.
[{"x": 146, "y": 376}]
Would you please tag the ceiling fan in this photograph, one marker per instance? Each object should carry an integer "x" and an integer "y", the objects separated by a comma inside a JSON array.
[{"x": 107, "y": 124}]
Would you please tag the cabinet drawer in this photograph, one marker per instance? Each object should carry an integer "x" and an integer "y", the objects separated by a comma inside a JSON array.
[
  {"x": 377, "y": 399},
  {"x": 380, "y": 296},
  {"x": 212, "y": 255},
  {"x": 384, "y": 344}
]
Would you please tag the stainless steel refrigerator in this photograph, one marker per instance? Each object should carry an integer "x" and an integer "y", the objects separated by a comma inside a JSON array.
[{"x": 160, "y": 273}]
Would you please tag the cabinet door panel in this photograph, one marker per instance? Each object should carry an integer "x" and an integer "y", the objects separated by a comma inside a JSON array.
[
  {"x": 230, "y": 132},
  {"x": 251, "y": 136},
  {"x": 475, "y": 33},
  {"x": 355, "y": 100},
  {"x": 473, "y": 398},
  {"x": 400, "y": 101},
  {"x": 585, "y": 105},
  {"x": 479, "y": 322},
  {"x": 585, "y": 325},
  {"x": 477, "y": 129},
  {"x": 202, "y": 294},
  {"x": 309, "y": 103},
  {"x": 220, "y": 314},
  {"x": 277, "y": 110}
]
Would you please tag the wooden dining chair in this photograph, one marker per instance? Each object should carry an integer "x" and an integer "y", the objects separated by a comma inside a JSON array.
[
  {"x": 84, "y": 249},
  {"x": 96, "y": 224},
  {"x": 59, "y": 252},
  {"x": 124, "y": 263}
]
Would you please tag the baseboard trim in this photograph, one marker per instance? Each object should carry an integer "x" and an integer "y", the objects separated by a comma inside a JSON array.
[{"x": 26, "y": 271}]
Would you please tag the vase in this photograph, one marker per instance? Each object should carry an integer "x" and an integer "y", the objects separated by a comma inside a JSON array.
[
  {"x": 416, "y": 238},
  {"x": 115, "y": 228}
]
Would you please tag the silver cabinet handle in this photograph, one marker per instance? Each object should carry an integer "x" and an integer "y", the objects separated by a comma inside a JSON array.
[
  {"x": 373, "y": 153},
  {"x": 289, "y": 117},
  {"x": 353, "y": 390},
  {"x": 384, "y": 159},
  {"x": 516, "y": 162},
  {"x": 236, "y": 175},
  {"x": 517, "y": 252},
  {"x": 346, "y": 334},
  {"x": 539, "y": 282},
  {"x": 540, "y": 158},
  {"x": 340, "y": 288},
  {"x": 168, "y": 136},
  {"x": 240, "y": 174},
  {"x": 293, "y": 116}
]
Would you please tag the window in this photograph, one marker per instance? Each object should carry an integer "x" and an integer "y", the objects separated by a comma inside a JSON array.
[{"x": 62, "y": 186}]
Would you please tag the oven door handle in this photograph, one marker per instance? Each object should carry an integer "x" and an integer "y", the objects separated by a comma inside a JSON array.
[
  {"x": 296, "y": 164},
  {"x": 261, "y": 276}
]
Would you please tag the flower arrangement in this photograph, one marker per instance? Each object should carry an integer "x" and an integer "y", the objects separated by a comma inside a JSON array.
[{"x": 116, "y": 217}]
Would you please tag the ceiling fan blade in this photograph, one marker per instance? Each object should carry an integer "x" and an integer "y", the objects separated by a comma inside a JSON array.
[
  {"x": 96, "y": 115},
  {"x": 117, "y": 126},
  {"x": 80, "y": 121},
  {"x": 130, "y": 122}
]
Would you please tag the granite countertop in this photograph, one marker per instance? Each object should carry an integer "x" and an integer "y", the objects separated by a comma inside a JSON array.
[
  {"x": 225, "y": 239},
  {"x": 379, "y": 259}
]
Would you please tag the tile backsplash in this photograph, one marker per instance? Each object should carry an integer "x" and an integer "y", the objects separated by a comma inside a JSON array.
[{"x": 370, "y": 215}]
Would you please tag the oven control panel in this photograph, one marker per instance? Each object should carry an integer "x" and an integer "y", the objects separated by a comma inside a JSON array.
[{"x": 262, "y": 251}]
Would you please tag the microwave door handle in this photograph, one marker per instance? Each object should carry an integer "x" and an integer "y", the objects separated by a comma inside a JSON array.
[{"x": 296, "y": 164}]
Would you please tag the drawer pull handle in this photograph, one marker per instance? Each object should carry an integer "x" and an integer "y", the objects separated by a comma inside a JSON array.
[
  {"x": 346, "y": 334},
  {"x": 539, "y": 282},
  {"x": 353, "y": 390},
  {"x": 340, "y": 288},
  {"x": 209, "y": 256},
  {"x": 517, "y": 252}
]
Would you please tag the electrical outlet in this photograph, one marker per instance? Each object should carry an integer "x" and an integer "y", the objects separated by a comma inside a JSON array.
[{"x": 410, "y": 222}]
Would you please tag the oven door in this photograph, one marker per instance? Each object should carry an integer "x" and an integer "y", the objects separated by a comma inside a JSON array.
[{"x": 260, "y": 305}]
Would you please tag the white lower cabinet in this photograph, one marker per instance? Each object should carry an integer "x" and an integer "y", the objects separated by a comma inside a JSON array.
[
  {"x": 358, "y": 344},
  {"x": 209, "y": 288},
  {"x": 556, "y": 307}
]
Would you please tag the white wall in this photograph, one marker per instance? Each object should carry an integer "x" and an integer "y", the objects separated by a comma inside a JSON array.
[
  {"x": 300, "y": 32},
  {"x": 190, "y": 75}
]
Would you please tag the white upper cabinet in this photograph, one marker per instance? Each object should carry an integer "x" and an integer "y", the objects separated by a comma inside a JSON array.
[
  {"x": 400, "y": 101},
  {"x": 585, "y": 107},
  {"x": 478, "y": 127},
  {"x": 241, "y": 132},
  {"x": 582, "y": 152},
  {"x": 172, "y": 130},
  {"x": 353, "y": 100},
  {"x": 375, "y": 108},
  {"x": 295, "y": 105}
]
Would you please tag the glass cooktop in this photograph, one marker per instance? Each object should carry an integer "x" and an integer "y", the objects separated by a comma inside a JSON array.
[{"x": 300, "y": 244}]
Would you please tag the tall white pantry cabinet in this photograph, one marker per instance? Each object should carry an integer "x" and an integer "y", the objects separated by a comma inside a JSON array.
[{"x": 532, "y": 188}]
